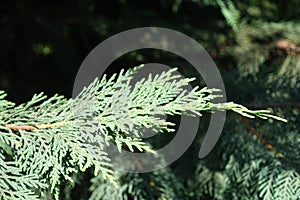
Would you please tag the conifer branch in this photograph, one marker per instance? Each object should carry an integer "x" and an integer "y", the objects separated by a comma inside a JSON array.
[{"x": 53, "y": 138}]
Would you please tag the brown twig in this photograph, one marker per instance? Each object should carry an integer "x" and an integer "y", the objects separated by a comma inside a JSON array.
[
  {"x": 288, "y": 46},
  {"x": 137, "y": 162},
  {"x": 17, "y": 128},
  {"x": 33, "y": 127},
  {"x": 260, "y": 138}
]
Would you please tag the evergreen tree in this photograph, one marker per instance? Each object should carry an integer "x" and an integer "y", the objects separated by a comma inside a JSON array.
[{"x": 256, "y": 47}]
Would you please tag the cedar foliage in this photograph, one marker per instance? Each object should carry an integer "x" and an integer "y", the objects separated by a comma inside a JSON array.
[
  {"x": 48, "y": 140},
  {"x": 256, "y": 46}
]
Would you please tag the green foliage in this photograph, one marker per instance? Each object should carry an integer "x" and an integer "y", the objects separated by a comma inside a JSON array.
[
  {"x": 162, "y": 184},
  {"x": 50, "y": 139},
  {"x": 14, "y": 184},
  {"x": 229, "y": 11},
  {"x": 256, "y": 47}
]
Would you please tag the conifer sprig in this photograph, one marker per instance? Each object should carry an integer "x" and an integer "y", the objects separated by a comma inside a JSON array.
[{"x": 49, "y": 139}]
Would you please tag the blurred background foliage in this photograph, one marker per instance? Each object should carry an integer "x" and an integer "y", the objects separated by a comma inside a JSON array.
[{"x": 256, "y": 46}]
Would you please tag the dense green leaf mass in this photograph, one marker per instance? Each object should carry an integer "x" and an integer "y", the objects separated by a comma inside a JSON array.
[{"x": 256, "y": 46}]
